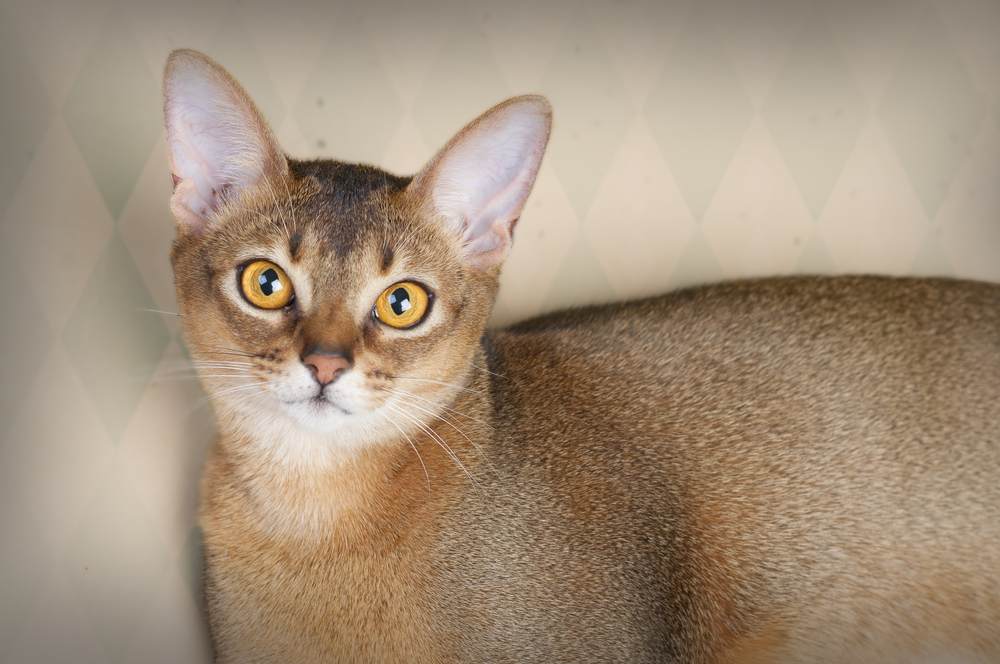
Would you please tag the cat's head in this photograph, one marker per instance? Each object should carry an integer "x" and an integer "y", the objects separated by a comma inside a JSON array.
[{"x": 333, "y": 298}]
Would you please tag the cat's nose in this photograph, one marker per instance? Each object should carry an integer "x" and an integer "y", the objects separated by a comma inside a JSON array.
[{"x": 326, "y": 367}]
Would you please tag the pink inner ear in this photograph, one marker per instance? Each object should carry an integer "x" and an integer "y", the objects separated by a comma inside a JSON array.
[
  {"x": 188, "y": 208},
  {"x": 506, "y": 204},
  {"x": 211, "y": 156},
  {"x": 483, "y": 177},
  {"x": 218, "y": 142}
]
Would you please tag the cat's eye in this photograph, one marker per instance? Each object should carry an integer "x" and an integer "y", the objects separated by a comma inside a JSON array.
[
  {"x": 266, "y": 285},
  {"x": 402, "y": 305}
]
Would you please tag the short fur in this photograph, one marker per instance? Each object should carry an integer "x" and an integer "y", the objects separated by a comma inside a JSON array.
[{"x": 795, "y": 470}]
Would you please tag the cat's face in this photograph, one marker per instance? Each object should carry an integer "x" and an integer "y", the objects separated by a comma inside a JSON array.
[
  {"x": 331, "y": 298},
  {"x": 334, "y": 264}
]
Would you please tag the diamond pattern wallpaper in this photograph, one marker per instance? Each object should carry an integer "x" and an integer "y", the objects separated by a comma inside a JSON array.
[{"x": 694, "y": 141}]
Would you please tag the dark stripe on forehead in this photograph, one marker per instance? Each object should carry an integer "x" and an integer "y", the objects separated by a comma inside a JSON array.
[
  {"x": 351, "y": 201},
  {"x": 387, "y": 257},
  {"x": 346, "y": 184}
]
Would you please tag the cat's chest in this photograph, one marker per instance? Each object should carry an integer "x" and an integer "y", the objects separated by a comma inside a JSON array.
[{"x": 306, "y": 602}]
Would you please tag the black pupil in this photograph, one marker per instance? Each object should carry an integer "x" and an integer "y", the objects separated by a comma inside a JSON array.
[
  {"x": 269, "y": 281},
  {"x": 399, "y": 300}
]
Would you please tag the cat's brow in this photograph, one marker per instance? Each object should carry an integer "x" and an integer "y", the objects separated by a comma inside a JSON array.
[
  {"x": 387, "y": 257},
  {"x": 294, "y": 244}
]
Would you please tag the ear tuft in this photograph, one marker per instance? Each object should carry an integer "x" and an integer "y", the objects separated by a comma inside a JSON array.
[
  {"x": 479, "y": 182},
  {"x": 218, "y": 141}
]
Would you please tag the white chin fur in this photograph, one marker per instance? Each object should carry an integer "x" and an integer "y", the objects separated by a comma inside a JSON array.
[
  {"x": 299, "y": 435},
  {"x": 289, "y": 427},
  {"x": 326, "y": 418}
]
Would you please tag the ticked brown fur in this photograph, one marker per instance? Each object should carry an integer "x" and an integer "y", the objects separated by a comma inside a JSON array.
[{"x": 781, "y": 470}]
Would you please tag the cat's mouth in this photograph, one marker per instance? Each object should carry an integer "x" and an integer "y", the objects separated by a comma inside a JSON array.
[{"x": 320, "y": 404}]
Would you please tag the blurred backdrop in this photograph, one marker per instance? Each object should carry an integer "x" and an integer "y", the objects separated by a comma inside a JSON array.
[{"x": 693, "y": 142}]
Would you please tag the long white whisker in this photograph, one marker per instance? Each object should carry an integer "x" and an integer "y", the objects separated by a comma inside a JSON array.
[
  {"x": 437, "y": 438},
  {"x": 168, "y": 379},
  {"x": 439, "y": 382},
  {"x": 180, "y": 373},
  {"x": 483, "y": 369},
  {"x": 410, "y": 441},
  {"x": 159, "y": 311},
  {"x": 206, "y": 363},
  {"x": 447, "y": 421},
  {"x": 235, "y": 389},
  {"x": 221, "y": 350},
  {"x": 396, "y": 390},
  {"x": 213, "y": 367},
  {"x": 431, "y": 433}
]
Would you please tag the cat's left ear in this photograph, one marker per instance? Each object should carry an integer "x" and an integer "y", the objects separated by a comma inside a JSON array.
[
  {"x": 219, "y": 143},
  {"x": 478, "y": 183}
]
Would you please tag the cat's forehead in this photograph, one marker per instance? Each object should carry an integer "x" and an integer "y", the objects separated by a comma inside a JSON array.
[
  {"x": 342, "y": 223},
  {"x": 349, "y": 205}
]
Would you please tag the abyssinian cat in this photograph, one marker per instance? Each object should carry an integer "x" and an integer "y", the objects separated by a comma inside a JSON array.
[{"x": 778, "y": 470}]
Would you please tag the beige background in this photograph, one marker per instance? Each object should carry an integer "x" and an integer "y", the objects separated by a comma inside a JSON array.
[{"x": 693, "y": 142}]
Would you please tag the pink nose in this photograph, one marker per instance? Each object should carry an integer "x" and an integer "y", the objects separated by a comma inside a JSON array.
[{"x": 326, "y": 367}]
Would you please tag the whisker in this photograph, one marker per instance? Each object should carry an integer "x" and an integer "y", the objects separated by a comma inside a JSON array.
[
  {"x": 230, "y": 352},
  {"x": 217, "y": 367},
  {"x": 447, "y": 421},
  {"x": 195, "y": 344},
  {"x": 243, "y": 387},
  {"x": 171, "y": 378},
  {"x": 207, "y": 399},
  {"x": 485, "y": 370},
  {"x": 439, "y": 382},
  {"x": 159, "y": 311},
  {"x": 221, "y": 350},
  {"x": 186, "y": 373},
  {"x": 447, "y": 408},
  {"x": 410, "y": 441},
  {"x": 262, "y": 216},
  {"x": 429, "y": 432},
  {"x": 204, "y": 363},
  {"x": 190, "y": 373},
  {"x": 437, "y": 439},
  {"x": 195, "y": 360},
  {"x": 278, "y": 208},
  {"x": 291, "y": 207}
]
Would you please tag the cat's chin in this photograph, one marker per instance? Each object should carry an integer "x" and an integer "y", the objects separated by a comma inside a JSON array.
[
  {"x": 305, "y": 431},
  {"x": 320, "y": 415},
  {"x": 348, "y": 428},
  {"x": 318, "y": 407}
]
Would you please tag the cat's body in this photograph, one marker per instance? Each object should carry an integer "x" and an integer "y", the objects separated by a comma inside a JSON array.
[
  {"x": 796, "y": 466},
  {"x": 786, "y": 470}
]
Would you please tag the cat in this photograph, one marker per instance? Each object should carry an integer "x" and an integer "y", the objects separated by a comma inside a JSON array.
[{"x": 799, "y": 469}]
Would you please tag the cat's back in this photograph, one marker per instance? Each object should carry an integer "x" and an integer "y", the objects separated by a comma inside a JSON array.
[
  {"x": 817, "y": 452},
  {"x": 800, "y": 336},
  {"x": 781, "y": 367},
  {"x": 734, "y": 315}
]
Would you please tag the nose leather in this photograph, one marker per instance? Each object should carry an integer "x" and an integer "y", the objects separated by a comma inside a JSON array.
[{"x": 326, "y": 367}]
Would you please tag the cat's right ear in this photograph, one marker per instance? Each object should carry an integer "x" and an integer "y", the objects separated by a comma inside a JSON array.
[{"x": 218, "y": 142}]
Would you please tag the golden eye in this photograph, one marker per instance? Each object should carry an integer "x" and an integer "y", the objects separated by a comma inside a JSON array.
[
  {"x": 402, "y": 305},
  {"x": 266, "y": 285}
]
